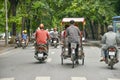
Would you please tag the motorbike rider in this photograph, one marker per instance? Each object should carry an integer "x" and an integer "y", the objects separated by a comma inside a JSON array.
[
  {"x": 73, "y": 34},
  {"x": 24, "y": 36},
  {"x": 41, "y": 36},
  {"x": 17, "y": 40},
  {"x": 109, "y": 39},
  {"x": 55, "y": 35}
]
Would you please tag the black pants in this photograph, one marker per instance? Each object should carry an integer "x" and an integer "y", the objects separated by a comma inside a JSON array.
[{"x": 76, "y": 50}]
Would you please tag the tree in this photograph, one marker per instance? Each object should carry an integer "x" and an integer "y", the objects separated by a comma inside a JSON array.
[{"x": 12, "y": 11}]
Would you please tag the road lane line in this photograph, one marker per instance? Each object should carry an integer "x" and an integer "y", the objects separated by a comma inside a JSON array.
[
  {"x": 49, "y": 59},
  {"x": 7, "y": 79},
  {"x": 112, "y": 79},
  {"x": 52, "y": 52},
  {"x": 33, "y": 47},
  {"x": 9, "y": 51},
  {"x": 78, "y": 78},
  {"x": 42, "y": 78}
]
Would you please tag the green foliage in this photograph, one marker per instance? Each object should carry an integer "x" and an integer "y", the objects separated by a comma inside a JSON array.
[
  {"x": 51, "y": 12},
  {"x": 2, "y": 17}
]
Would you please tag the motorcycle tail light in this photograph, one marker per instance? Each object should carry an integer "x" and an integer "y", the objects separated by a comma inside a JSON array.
[
  {"x": 41, "y": 48},
  {"x": 112, "y": 49}
]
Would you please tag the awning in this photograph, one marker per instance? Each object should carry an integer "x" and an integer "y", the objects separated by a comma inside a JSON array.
[{"x": 75, "y": 19}]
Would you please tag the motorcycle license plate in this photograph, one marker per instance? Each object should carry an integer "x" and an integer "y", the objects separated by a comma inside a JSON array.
[
  {"x": 23, "y": 42},
  {"x": 40, "y": 55},
  {"x": 55, "y": 41},
  {"x": 73, "y": 45},
  {"x": 112, "y": 53}
]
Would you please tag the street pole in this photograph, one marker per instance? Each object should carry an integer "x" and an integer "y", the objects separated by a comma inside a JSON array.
[{"x": 6, "y": 28}]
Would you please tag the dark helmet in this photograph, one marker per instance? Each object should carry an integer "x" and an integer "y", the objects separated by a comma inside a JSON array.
[
  {"x": 72, "y": 21},
  {"x": 110, "y": 28}
]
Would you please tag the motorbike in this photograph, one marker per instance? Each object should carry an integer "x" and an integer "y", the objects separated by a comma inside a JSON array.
[
  {"x": 41, "y": 53},
  {"x": 23, "y": 44},
  {"x": 110, "y": 56},
  {"x": 17, "y": 43},
  {"x": 55, "y": 42}
]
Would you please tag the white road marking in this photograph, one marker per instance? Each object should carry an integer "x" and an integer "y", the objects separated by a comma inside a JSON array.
[
  {"x": 7, "y": 79},
  {"x": 52, "y": 52},
  {"x": 33, "y": 47},
  {"x": 9, "y": 51},
  {"x": 78, "y": 78},
  {"x": 58, "y": 46},
  {"x": 49, "y": 59},
  {"x": 112, "y": 79},
  {"x": 42, "y": 78}
]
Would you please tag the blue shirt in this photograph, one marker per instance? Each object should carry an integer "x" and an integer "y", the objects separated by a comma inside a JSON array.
[{"x": 24, "y": 36}]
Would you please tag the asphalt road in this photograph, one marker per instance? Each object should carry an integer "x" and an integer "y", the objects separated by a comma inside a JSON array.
[{"x": 19, "y": 64}]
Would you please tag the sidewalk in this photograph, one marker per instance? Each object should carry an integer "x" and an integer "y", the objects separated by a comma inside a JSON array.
[{"x": 4, "y": 48}]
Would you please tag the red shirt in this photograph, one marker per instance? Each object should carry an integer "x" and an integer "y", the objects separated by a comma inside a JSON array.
[{"x": 41, "y": 36}]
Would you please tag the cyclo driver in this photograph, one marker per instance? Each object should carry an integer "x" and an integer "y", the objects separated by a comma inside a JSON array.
[{"x": 73, "y": 34}]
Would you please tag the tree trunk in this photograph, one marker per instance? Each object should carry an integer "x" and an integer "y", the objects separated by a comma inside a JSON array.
[
  {"x": 92, "y": 29},
  {"x": 23, "y": 24},
  {"x": 28, "y": 26},
  {"x": 13, "y": 5}
]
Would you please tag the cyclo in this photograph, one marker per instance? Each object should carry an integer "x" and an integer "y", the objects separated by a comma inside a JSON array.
[{"x": 65, "y": 49}]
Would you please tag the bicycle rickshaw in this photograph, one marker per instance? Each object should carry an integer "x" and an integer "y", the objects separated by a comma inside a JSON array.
[{"x": 65, "y": 54}]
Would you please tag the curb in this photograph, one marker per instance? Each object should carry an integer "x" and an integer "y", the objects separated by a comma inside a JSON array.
[
  {"x": 6, "y": 48},
  {"x": 96, "y": 44}
]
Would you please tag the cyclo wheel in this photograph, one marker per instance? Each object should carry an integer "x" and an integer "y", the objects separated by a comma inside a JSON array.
[
  {"x": 83, "y": 60},
  {"x": 62, "y": 56},
  {"x": 62, "y": 59},
  {"x": 73, "y": 64},
  {"x": 73, "y": 60}
]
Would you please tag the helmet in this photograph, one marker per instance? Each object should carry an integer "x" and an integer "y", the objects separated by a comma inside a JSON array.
[
  {"x": 110, "y": 28},
  {"x": 72, "y": 21},
  {"x": 25, "y": 31}
]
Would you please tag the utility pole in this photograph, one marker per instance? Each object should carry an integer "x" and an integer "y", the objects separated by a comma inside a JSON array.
[{"x": 6, "y": 28}]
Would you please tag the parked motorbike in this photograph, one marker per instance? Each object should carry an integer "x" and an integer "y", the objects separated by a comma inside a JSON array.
[
  {"x": 110, "y": 56},
  {"x": 17, "y": 43},
  {"x": 23, "y": 44},
  {"x": 41, "y": 53}
]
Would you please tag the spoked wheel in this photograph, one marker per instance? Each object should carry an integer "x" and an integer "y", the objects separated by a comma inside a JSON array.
[
  {"x": 83, "y": 61},
  {"x": 73, "y": 60},
  {"x": 111, "y": 66},
  {"x": 73, "y": 64},
  {"x": 62, "y": 59}
]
